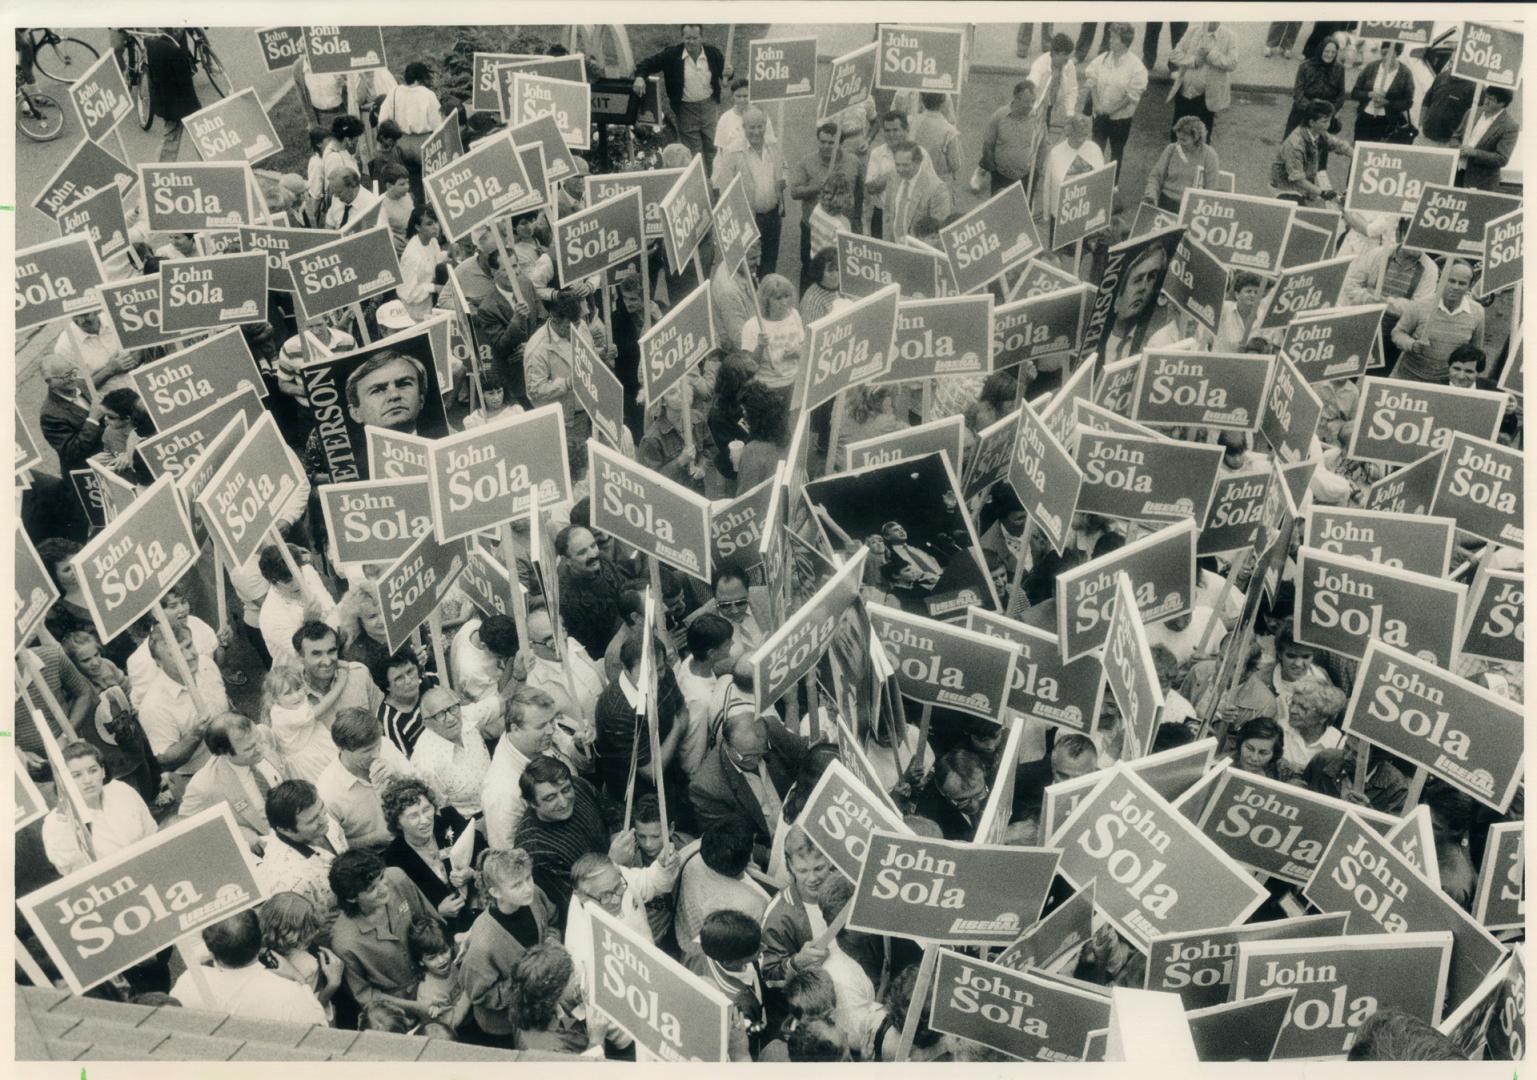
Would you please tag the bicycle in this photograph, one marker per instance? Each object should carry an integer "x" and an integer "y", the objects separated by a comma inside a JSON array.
[
  {"x": 203, "y": 56},
  {"x": 133, "y": 58},
  {"x": 62, "y": 59},
  {"x": 38, "y": 116}
]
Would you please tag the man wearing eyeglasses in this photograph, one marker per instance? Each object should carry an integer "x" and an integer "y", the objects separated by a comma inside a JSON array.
[
  {"x": 954, "y": 797},
  {"x": 619, "y": 891},
  {"x": 754, "y": 763},
  {"x": 745, "y": 607},
  {"x": 450, "y": 754}
]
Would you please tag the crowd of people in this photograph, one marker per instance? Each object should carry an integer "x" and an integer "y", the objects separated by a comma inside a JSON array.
[{"x": 431, "y": 842}]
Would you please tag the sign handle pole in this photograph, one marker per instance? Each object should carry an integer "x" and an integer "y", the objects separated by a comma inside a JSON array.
[
  {"x": 186, "y": 949},
  {"x": 629, "y": 787},
  {"x": 220, "y": 585},
  {"x": 1416, "y": 788},
  {"x": 826, "y": 937},
  {"x": 608, "y": 309},
  {"x": 834, "y": 431},
  {"x": 30, "y": 967},
  {"x": 924, "y": 718},
  {"x": 519, "y": 603},
  {"x": 276, "y": 538},
  {"x": 72, "y": 802},
  {"x": 1078, "y": 259},
  {"x": 915, "y": 1006},
  {"x": 182, "y": 667},
  {"x": 1016, "y": 582},
  {"x": 435, "y": 632},
  {"x": 357, "y": 313},
  {"x": 122, "y": 149},
  {"x": 1216, "y": 614},
  {"x": 52, "y": 703}
]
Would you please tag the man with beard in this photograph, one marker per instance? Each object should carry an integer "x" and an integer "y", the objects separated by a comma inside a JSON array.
[
  {"x": 590, "y": 590},
  {"x": 387, "y": 390}
]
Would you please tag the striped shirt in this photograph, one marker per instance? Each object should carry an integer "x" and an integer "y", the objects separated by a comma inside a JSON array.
[
  {"x": 1441, "y": 332},
  {"x": 402, "y": 726},
  {"x": 554, "y": 846}
]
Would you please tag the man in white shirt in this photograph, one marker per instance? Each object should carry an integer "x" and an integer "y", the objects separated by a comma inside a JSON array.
[
  {"x": 703, "y": 678},
  {"x": 173, "y": 714},
  {"x": 238, "y": 984},
  {"x": 1115, "y": 81},
  {"x": 880, "y": 169},
  {"x": 91, "y": 342},
  {"x": 350, "y": 786},
  {"x": 530, "y": 716},
  {"x": 450, "y": 754},
  {"x": 1055, "y": 76},
  {"x": 575, "y": 683},
  {"x": 289, "y": 604},
  {"x": 350, "y": 200},
  {"x": 297, "y": 854},
  {"x": 243, "y": 769},
  {"x": 620, "y": 891}
]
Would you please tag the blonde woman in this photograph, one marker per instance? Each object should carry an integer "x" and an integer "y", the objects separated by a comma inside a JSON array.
[
  {"x": 869, "y": 411},
  {"x": 776, "y": 335}
]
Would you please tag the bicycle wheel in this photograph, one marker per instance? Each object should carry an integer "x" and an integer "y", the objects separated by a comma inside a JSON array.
[
  {"x": 39, "y": 117},
  {"x": 65, "y": 59},
  {"x": 213, "y": 67},
  {"x": 138, "y": 86}
]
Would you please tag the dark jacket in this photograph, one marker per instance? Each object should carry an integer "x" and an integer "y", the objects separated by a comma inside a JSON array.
[
  {"x": 449, "y": 826},
  {"x": 719, "y": 791},
  {"x": 172, "y": 95},
  {"x": 932, "y": 804},
  {"x": 1400, "y": 96},
  {"x": 499, "y": 337},
  {"x": 669, "y": 64},
  {"x": 1446, "y": 103},
  {"x": 67, "y": 430},
  {"x": 1481, "y": 168}
]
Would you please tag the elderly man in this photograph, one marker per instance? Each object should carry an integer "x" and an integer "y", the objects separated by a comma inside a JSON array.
[
  {"x": 746, "y": 776},
  {"x": 691, "y": 73},
  {"x": 1428, "y": 332},
  {"x": 955, "y": 795},
  {"x": 176, "y": 713},
  {"x": 349, "y": 199},
  {"x": 297, "y": 853},
  {"x": 450, "y": 754},
  {"x": 243, "y": 769},
  {"x": 94, "y": 346},
  {"x": 618, "y": 890},
  {"x": 351, "y": 784},
  {"x": 70, "y": 421},
  {"x": 745, "y": 607},
  {"x": 1072, "y": 755},
  {"x": 762, "y": 169},
  {"x": 1013, "y": 136}
]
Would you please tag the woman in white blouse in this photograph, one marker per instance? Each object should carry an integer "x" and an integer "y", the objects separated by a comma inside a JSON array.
[
  {"x": 115, "y": 816},
  {"x": 419, "y": 263},
  {"x": 414, "y": 106}
]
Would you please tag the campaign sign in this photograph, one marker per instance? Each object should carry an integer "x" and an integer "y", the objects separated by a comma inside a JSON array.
[
  {"x": 1489, "y": 54},
  {"x": 108, "y": 916},
  {"x": 667, "y": 1009},
  {"x": 30, "y": 804},
  {"x": 1037, "y": 278},
  {"x": 1235, "y": 514},
  {"x": 1195, "y": 389},
  {"x": 652, "y": 185},
  {"x": 487, "y": 182},
  {"x": 990, "y": 239},
  {"x": 1457, "y": 730},
  {"x": 337, "y": 50},
  {"x": 922, "y": 58},
  {"x": 35, "y": 590},
  {"x": 1243, "y": 232},
  {"x": 134, "y": 309},
  {"x": 1388, "y": 178},
  {"x": 198, "y": 473},
  {"x": 1334, "y": 343},
  {"x": 101, "y": 97},
  {"x": 1063, "y": 931},
  {"x": 849, "y": 347},
  {"x": 235, "y": 128},
  {"x": 1039, "y": 328},
  {"x": 1513, "y": 374},
  {"x": 57, "y": 279},
  {"x": 395, "y": 454},
  {"x": 1019, "y": 1013},
  {"x": 485, "y": 79},
  {"x": 444, "y": 145},
  {"x": 781, "y": 69},
  {"x": 543, "y": 135},
  {"x": 1481, "y": 487},
  {"x": 686, "y": 214},
  {"x": 1343, "y": 604},
  {"x": 1406, "y": 541},
  {"x": 990, "y": 455},
  {"x": 88, "y": 168},
  {"x": 27, "y": 454},
  {"x": 1141, "y": 479},
  {"x": 1170, "y": 773},
  {"x": 839, "y": 815},
  {"x": 1496, "y": 626},
  {"x": 345, "y": 271},
  {"x": 130, "y": 564},
  {"x": 797, "y": 646},
  {"x": 673, "y": 345},
  {"x": 240, "y": 502},
  {"x": 280, "y": 244},
  {"x": 1130, "y": 674},
  {"x": 598, "y": 391},
  {"x": 486, "y": 583},
  {"x": 945, "y": 665},
  {"x": 1150, "y": 219},
  {"x": 1410, "y": 33},
  {"x": 1398, "y": 422},
  {"x": 1153, "y": 872},
  {"x": 181, "y": 385},
  {"x": 1306, "y": 244},
  {"x": 1276, "y": 828},
  {"x": 1340, "y": 981},
  {"x": 1196, "y": 283},
  {"x": 948, "y": 336},
  {"x": 946, "y": 436},
  {"x": 1505, "y": 1036},
  {"x": 1045, "y": 477},
  {"x": 849, "y": 82},
  {"x": 1084, "y": 206},
  {"x": 190, "y": 197},
  {"x": 1500, "y": 903},
  {"x": 1199, "y": 965},
  {"x": 1502, "y": 254},
  {"x": 866, "y": 265},
  {"x": 736, "y": 229},
  {"x": 171, "y": 449},
  {"x": 1361, "y": 873},
  {"x": 280, "y": 46},
  {"x": 416, "y": 584},
  {"x": 1451, "y": 220},
  {"x": 949, "y": 892},
  {"x": 649, "y": 512},
  {"x": 1408, "y": 490},
  {"x": 736, "y": 527},
  {"x": 1162, "y": 571},
  {"x": 568, "y": 103},
  {"x": 213, "y": 292},
  {"x": 1239, "y": 1030},
  {"x": 99, "y": 216},
  {"x": 490, "y": 475},
  {"x": 598, "y": 238}
]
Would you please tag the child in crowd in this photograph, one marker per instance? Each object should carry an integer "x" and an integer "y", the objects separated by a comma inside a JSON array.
[
  {"x": 442, "y": 986},
  {"x": 395, "y": 191},
  {"x": 303, "y": 742},
  {"x": 730, "y": 941}
]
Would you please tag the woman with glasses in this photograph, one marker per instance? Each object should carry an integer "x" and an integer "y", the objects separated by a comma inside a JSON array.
[{"x": 428, "y": 845}]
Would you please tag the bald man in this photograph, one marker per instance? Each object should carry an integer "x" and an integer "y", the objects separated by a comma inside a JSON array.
[{"x": 747, "y": 775}]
